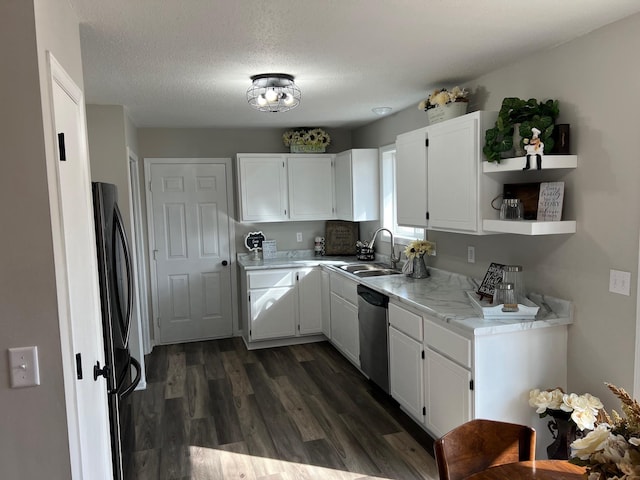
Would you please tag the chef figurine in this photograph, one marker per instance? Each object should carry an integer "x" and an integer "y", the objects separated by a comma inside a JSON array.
[{"x": 534, "y": 146}]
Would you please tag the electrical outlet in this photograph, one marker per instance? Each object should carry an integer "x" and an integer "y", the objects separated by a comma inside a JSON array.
[
  {"x": 299, "y": 236},
  {"x": 620, "y": 282},
  {"x": 471, "y": 254}
]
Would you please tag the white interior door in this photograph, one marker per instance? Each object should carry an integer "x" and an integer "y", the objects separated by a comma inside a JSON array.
[
  {"x": 78, "y": 288},
  {"x": 190, "y": 242}
]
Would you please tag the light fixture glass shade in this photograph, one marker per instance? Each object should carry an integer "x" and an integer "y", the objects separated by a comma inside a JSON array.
[
  {"x": 381, "y": 110},
  {"x": 273, "y": 92}
]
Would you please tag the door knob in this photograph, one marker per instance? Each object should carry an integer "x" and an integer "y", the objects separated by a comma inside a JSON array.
[
  {"x": 100, "y": 372},
  {"x": 224, "y": 263}
]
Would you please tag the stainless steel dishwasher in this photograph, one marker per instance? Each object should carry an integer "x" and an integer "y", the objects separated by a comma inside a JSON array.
[{"x": 374, "y": 342}]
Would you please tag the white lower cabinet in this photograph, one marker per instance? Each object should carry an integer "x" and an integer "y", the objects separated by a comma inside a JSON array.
[
  {"x": 326, "y": 305},
  {"x": 273, "y": 301},
  {"x": 447, "y": 388},
  {"x": 310, "y": 314},
  {"x": 406, "y": 372},
  {"x": 284, "y": 303},
  {"x": 344, "y": 317}
]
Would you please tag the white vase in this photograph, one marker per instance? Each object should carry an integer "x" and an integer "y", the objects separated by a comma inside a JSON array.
[{"x": 446, "y": 112}]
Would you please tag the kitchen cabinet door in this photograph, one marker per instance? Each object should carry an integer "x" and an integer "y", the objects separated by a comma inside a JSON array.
[
  {"x": 454, "y": 160},
  {"x": 273, "y": 312},
  {"x": 273, "y": 304},
  {"x": 344, "y": 328},
  {"x": 310, "y": 301},
  {"x": 326, "y": 304},
  {"x": 357, "y": 182},
  {"x": 406, "y": 373},
  {"x": 310, "y": 187},
  {"x": 262, "y": 186},
  {"x": 411, "y": 179},
  {"x": 447, "y": 393}
]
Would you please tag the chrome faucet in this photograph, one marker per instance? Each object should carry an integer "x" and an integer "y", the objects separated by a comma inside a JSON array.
[{"x": 392, "y": 258}]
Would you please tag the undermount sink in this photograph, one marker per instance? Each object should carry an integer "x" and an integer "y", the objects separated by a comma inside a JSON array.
[{"x": 370, "y": 269}]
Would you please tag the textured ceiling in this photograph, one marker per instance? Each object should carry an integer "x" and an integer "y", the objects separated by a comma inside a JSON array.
[{"x": 187, "y": 63}]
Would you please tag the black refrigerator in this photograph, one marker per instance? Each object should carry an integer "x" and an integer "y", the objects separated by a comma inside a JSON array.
[{"x": 121, "y": 370}]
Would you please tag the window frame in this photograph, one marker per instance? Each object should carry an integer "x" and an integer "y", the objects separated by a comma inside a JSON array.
[{"x": 388, "y": 199}]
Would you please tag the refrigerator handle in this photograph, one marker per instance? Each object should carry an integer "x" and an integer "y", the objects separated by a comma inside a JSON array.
[
  {"x": 127, "y": 257},
  {"x": 134, "y": 383}
]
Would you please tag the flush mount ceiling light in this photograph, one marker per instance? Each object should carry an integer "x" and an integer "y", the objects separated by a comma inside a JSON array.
[{"x": 273, "y": 92}]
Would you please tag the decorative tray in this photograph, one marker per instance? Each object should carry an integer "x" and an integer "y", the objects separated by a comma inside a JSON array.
[{"x": 526, "y": 311}]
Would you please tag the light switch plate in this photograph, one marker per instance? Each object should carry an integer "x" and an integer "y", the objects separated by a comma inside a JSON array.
[
  {"x": 25, "y": 371},
  {"x": 620, "y": 282}
]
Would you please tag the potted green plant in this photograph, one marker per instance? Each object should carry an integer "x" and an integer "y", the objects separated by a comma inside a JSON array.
[{"x": 528, "y": 114}]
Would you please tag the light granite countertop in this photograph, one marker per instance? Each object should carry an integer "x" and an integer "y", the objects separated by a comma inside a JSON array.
[{"x": 442, "y": 296}]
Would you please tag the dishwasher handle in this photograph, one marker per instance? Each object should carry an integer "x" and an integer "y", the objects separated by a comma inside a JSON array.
[{"x": 373, "y": 297}]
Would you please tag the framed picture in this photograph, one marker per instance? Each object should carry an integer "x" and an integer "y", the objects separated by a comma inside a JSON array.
[
  {"x": 491, "y": 279},
  {"x": 550, "y": 201},
  {"x": 340, "y": 237}
]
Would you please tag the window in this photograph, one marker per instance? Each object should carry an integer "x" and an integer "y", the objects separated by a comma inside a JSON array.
[{"x": 388, "y": 184}]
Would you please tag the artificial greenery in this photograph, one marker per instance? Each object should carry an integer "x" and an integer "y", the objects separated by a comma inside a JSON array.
[{"x": 529, "y": 114}]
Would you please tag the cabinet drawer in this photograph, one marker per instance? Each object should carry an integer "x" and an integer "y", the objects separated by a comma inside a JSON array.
[
  {"x": 406, "y": 321},
  {"x": 345, "y": 288},
  {"x": 271, "y": 278},
  {"x": 448, "y": 343},
  {"x": 350, "y": 291}
]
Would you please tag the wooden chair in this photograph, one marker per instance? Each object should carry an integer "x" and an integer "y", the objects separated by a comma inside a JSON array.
[{"x": 480, "y": 444}]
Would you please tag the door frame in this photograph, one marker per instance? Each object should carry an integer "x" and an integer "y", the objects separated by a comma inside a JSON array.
[
  {"x": 79, "y": 469},
  {"x": 139, "y": 338},
  {"x": 231, "y": 213}
]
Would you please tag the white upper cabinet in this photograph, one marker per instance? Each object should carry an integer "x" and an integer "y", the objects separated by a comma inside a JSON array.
[
  {"x": 411, "y": 178},
  {"x": 456, "y": 192},
  {"x": 443, "y": 182},
  {"x": 262, "y": 181},
  {"x": 281, "y": 187},
  {"x": 357, "y": 182},
  {"x": 310, "y": 187}
]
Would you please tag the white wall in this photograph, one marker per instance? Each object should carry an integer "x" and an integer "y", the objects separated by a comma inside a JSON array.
[
  {"x": 107, "y": 130},
  {"x": 594, "y": 78},
  {"x": 33, "y": 436}
]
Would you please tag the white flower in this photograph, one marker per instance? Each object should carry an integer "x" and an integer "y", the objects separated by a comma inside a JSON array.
[
  {"x": 314, "y": 136},
  {"x": 545, "y": 399},
  {"x": 442, "y": 96},
  {"x": 418, "y": 248},
  {"x": 584, "y": 447},
  {"x": 584, "y": 419},
  {"x": 594, "y": 403}
]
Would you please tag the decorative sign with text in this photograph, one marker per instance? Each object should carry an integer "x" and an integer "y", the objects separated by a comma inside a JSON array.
[
  {"x": 253, "y": 241},
  {"x": 491, "y": 279},
  {"x": 550, "y": 201}
]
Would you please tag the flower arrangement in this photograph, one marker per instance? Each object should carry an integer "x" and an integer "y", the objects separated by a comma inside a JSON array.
[
  {"x": 443, "y": 96},
  {"x": 418, "y": 248},
  {"x": 612, "y": 450},
  {"x": 582, "y": 409},
  {"x": 306, "y": 136}
]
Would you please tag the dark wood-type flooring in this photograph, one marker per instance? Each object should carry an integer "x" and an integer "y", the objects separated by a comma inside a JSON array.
[{"x": 213, "y": 410}]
